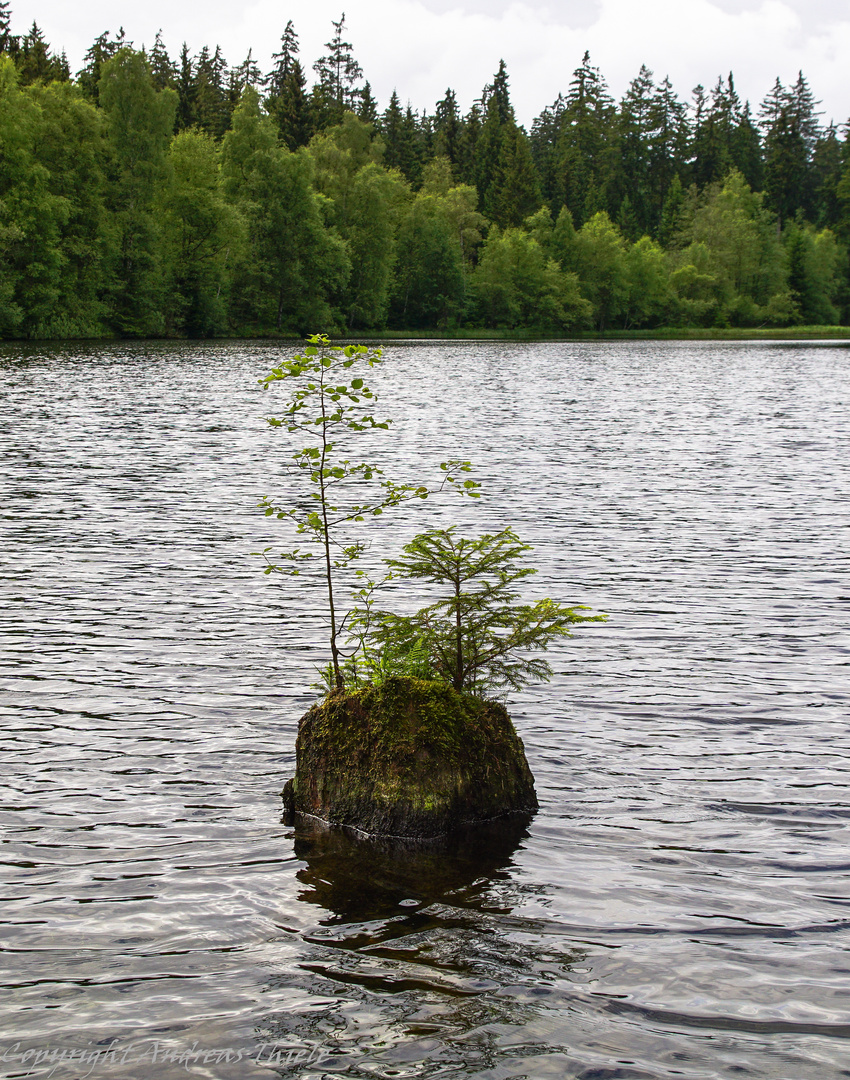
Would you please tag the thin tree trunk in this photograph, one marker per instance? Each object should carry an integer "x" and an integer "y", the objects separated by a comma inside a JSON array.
[
  {"x": 327, "y": 543},
  {"x": 458, "y": 680}
]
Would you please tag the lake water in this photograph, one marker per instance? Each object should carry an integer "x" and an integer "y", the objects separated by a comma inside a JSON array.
[{"x": 680, "y": 905}]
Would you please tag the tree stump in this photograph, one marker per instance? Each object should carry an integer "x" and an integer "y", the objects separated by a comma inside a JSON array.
[{"x": 410, "y": 758}]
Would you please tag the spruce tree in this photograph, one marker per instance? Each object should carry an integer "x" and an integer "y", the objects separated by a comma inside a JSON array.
[
  {"x": 466, "y": 144},
  {"x": 789, "y": 120},
  {"x": 283, "y": 61},
  {"x": 212, "y": 100},
  {"x": 585, "y": 143},
  {"x": 339, "y": 74},
  {"x": 516, "y": 194},
  {"x": 291, "y": 109},
  {"x": 246, "y": 74},
  {"x": 163, "y": 71},
  {"x": 447, "y": 125},
  {"x": 635, "y": 130},
  {"x": 669, "y": 148},
  {"x": 826, "y": 167},
  {"x": 747, "y": 150},
  {"x": 392, "y": 132},
  {"x": 34, "y": 60},
  {"x": 367, "y": 108},
  {"x": 543, "y": 141},
  {"x": 101, "y": 50},
  {"x": 186, "y": 90},
  {"x": 6, "y": 39},
  {"x": 288, "y": 102}
]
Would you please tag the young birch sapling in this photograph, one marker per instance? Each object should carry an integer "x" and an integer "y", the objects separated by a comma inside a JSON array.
[{"x": 327, "y": 405}]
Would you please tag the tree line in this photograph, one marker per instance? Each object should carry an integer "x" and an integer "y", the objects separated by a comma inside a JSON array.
[{"x": 151, "y": 196}]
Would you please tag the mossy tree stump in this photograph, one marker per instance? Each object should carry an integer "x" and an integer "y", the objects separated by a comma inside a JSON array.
[{"x": 411, "y": 758}]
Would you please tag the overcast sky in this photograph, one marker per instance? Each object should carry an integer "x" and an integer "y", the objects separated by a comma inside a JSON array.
[{"x": 421, "y": 47}]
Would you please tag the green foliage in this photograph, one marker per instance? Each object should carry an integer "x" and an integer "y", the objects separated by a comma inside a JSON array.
[
  {"x": 647, "y": 275},
  {"x": 517, "y": 285},
  {"x": 139, "y": 124},
  {"x": 365, "y": 202},
  {"x": 601, "y": 262},
  {"x": 477, "y": 636},
  {"x": 430, "y": 285},
  {"x": 327, "y": 405},
  {"x": 293, "y": 265},
  {"x": 812, "y": 273},
  {"x": 374, "y": 665},
  {"x": 71, "y": 145},
  {"x": 31, "y": 214},
  {"x": 109, "y": 223},
  {"x": 202, "y": 236},
  {"x": 730, "y": 236}
]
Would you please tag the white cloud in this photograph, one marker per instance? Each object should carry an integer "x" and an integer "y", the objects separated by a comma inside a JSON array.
[{"x": 421, "y": 47}]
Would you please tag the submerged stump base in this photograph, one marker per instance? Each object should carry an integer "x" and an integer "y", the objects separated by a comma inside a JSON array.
[{"x": 411, "y": 758}]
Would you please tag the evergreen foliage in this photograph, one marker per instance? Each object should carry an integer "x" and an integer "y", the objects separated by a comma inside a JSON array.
[
  {"x": 316, "y": 207},
  {"x": 477, "y": 637}
]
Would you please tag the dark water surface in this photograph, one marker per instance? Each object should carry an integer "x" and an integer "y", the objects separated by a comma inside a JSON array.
[{"x": 680, "y": 906}]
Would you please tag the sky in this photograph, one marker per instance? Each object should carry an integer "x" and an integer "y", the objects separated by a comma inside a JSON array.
[{"x": 422, "y": 47}]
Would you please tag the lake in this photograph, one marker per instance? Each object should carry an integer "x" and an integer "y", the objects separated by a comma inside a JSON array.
[{"x": 680, "y": 905}]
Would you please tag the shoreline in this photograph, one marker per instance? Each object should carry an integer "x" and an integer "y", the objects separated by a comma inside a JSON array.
[{"x": 788, "y": 333}]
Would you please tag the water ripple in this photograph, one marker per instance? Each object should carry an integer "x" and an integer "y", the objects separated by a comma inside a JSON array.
[{"x": 679, "y": 906}]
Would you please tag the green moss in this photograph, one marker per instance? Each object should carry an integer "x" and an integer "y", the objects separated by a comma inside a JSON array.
[{"x": 409, "y": 758}]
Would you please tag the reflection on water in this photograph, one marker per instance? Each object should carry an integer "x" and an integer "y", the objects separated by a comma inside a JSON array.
[
  {"x": 680, "y": 905},
  {"x": 364, "y": 877},
  {"x": 420, "y": 928}
]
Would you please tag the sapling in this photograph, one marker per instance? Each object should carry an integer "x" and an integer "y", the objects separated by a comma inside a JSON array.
[
  {"x": 477, "y": 636},
  {"x": 330, "y": 403}
]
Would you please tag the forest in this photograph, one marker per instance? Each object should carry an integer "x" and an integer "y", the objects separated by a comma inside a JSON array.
[{"x": 177, "y": 196}]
